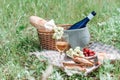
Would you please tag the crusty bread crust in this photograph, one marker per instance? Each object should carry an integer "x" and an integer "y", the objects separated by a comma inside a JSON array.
[
  {"x": 83, "y": 61},
  {"x": 37, "y": 22},
  {"x": 74, "y": 66}
]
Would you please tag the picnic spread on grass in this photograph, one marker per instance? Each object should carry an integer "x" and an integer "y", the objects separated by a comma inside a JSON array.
[{"x": 77, "y": 55}]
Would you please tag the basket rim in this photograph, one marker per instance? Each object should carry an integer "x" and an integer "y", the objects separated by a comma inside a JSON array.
[
  {"x": 47, "y": 31},
  {"x": 64, "y": 25}
]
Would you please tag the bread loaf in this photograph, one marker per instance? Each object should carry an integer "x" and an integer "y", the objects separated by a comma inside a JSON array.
[
  {"x": 74, "y": 66},
  {"x": 83, "y": 61},
  {"x": 37, "y": 22}
]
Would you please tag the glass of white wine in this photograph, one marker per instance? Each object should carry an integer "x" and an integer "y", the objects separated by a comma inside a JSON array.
[{"x": 62, "y": 44}]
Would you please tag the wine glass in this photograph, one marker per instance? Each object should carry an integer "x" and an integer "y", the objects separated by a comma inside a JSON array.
[{"x": 62, "y": 44}]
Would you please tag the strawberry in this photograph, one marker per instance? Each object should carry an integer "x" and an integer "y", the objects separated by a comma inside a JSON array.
[{"x": 87, "y": 52}]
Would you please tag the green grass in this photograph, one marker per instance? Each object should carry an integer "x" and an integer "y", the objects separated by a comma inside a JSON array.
[{"x": 18, "y": 37}]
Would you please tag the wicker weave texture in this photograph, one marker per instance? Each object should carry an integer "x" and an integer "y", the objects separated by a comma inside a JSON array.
[{"x": 46, "y": 40}]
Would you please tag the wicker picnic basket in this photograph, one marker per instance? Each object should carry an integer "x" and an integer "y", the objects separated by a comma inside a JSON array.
[{"x": 46, "y": 40}]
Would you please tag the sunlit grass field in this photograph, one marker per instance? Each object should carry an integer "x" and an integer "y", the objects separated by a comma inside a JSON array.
[{"x": 18, "y": 37}]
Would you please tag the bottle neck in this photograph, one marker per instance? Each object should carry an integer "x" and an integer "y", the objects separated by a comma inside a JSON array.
[{"x": 90, "y": 16}]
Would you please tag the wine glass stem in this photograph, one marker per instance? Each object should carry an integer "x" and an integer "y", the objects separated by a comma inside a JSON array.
[{"x": 61, "y": 56}]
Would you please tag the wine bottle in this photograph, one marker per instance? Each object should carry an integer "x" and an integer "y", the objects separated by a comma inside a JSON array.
[{"x": 82, "y": 23}]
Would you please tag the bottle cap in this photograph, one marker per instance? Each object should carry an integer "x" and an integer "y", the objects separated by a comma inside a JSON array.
[{"x": 93, "y": 13}]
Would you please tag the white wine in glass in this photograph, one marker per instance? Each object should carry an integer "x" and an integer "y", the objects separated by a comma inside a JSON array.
[{"x": 62, "y": 44}]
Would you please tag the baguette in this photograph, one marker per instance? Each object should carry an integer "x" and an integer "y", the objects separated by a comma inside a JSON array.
[
  {"x": 74, "y": 66},
  {"x": 89, "y": 58},
  {"x": 37, "y": 22},
  {"x": 83, "y": 61}
]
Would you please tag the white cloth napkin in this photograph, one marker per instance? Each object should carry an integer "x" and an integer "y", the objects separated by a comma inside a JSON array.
[{"x": 50, "y": 25}]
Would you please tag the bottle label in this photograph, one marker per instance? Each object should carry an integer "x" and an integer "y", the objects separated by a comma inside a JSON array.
[{"x": 90, "y": 16}]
